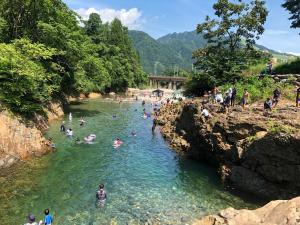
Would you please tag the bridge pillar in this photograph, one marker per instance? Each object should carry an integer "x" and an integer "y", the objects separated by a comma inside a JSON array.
[
  {"x": 173, "y": 85},
  {"x": 169, "y": 84}
]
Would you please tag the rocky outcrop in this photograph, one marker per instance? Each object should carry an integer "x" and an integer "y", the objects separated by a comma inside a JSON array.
[
  {"x": 21, "y": 139},
  {"x": 257, "y": 152},
  {"x": 275, "y": 213}
]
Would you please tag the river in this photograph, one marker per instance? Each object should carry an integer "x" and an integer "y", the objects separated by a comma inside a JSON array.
[{"x": 144, "y": 179}]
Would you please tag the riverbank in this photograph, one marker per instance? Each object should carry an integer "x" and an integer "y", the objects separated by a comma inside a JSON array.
[
  {"x": 255, "y": 151},
  {"x": 21, "y": 139}
]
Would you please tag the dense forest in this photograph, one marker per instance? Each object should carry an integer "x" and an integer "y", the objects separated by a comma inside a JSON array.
[{"x": 48, "y": 52}]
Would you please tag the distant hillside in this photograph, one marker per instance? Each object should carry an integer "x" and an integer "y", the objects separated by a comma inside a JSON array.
[
  {"x": 174, "y": 49},
  {"x": 184, "y": 44},
  {"x": 153, "y": 54}
]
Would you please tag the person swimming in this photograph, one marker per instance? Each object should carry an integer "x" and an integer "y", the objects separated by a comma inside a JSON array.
[
  {"x": 117, "y": 143},
  {"x": 114, "y": 116},
  {"x": 90, "y": 138},
  {"x": 81, "y": 122},
  {"x": 69, "y": 132},
  {"x": 78, "y": 141},
  {"x": 62, "y": 127},
  {"x": 133, "y": 133}
]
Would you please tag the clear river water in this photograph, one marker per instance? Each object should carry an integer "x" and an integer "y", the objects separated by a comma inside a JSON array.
[{"x": 145, "y": 181}]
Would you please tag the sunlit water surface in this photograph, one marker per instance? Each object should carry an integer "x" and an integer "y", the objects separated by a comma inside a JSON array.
[{"x": 145, "y": 180}]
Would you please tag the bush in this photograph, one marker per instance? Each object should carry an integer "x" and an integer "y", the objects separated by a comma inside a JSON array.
[
  {"x": 292, "y": 67},
  {"x": 199, "y": 83}
]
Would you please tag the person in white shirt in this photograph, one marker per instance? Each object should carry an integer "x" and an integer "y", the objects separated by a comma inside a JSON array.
[
  {"x": 205, "y": 113},
  {"x": 31, "y": 220}
]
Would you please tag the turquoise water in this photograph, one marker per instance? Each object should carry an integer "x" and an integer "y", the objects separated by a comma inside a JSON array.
[{"x": 144, "y": 179}]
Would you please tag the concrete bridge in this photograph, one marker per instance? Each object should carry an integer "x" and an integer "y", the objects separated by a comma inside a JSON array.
[{"x": 173, "y": 83}]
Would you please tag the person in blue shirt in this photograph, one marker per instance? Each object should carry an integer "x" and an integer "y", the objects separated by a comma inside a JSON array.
[{"x": 48, "y": 217}]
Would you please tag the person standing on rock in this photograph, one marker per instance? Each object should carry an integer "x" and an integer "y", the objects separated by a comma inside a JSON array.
[
  {"x": 226, "y": 102},
  {"x": 233, "y": 96},
  {"x": 215, "y": 91},
  {"x": 268, "y": 104},
  {"x": 298, "y": 96},
  {"x": 245, "y": 99},
  {"x": 276, "y": 97}
]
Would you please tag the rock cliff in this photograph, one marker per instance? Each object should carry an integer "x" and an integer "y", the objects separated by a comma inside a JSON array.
[
  {"x": 274, "y": 213},
  {"x": 255, "y": 151},
  {"x": 20, "y": 140}
]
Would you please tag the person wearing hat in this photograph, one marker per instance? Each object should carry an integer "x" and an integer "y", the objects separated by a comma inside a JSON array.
[{"x": 31, "y": 220}]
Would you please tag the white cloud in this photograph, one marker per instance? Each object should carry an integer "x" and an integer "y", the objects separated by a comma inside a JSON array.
[
  {"x": 130, "y": 18},
  {"x": 294, "y": 53}
]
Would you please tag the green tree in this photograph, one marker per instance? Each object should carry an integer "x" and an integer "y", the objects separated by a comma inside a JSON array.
[
  {"x": 294, "y": 7},
  {"x": 25, "y": 85},
  {"x": 94, "y": 28},
  {"x": 231, "y": 37}
]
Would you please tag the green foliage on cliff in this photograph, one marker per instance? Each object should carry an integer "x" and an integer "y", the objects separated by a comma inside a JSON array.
[
  {"x": 261, "y": 89},
  {"x": 45, "y": 54}
]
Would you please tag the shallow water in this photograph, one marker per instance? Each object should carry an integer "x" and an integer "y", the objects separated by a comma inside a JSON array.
[{"x": 144, "y": 179}]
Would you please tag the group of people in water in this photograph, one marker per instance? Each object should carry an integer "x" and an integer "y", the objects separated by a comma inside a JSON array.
[{"x": 101, "y": 195}]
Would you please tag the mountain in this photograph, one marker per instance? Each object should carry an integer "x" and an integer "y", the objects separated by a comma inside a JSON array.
[
  {"x": 175, "y": 49},
  {"x": 155, "y": 55},
  {"x": 184, "y": 44}
]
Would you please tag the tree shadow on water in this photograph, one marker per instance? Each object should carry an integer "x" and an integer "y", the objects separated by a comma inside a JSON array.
[{"x": 84, "y": 112}]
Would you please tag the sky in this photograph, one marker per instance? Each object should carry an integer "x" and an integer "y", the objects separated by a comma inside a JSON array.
[{"x": 161, "y": 17}]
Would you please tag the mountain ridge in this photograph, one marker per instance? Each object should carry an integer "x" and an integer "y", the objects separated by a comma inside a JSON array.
[{"x": 175, "y": 50}]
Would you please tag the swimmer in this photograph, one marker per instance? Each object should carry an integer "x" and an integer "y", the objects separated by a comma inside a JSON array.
[
  {"x": 101, "y": 196},
  {"x": 69, "y": 132},
  {"x": 133, "y": 133},
  {"x": 62, "y": 127},
  {"x": 82, "y": 122},
  {"x": 117, "y": 143},
  {"x": 51, "y": 143},
  {"x": 90, "y": 138},
  {"x": 77, "y": 141},
  {"x": 145, "y": 116},
  {"x": 143, "y": 102},
  {"x": 114, "y": 116}
]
